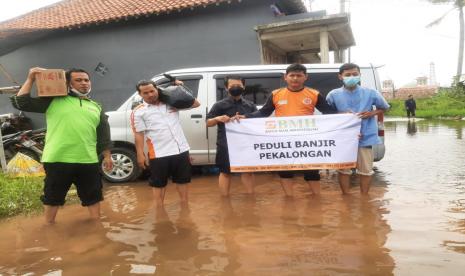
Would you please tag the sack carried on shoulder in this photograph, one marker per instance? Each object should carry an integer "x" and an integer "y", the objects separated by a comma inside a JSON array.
[{"x": 177, "y": 96}]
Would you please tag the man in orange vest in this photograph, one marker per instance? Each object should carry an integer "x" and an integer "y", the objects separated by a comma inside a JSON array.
[{"x": 294, "y": 100}]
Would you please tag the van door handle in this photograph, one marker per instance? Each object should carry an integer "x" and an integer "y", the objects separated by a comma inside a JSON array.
[{"x": 196, "y": 116}]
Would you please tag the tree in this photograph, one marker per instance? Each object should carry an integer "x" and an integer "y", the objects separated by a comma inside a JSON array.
[{"x": 457, "y": 4}]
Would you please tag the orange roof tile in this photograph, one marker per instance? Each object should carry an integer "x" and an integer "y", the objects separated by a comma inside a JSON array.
[{"x": 74, "y": 13}]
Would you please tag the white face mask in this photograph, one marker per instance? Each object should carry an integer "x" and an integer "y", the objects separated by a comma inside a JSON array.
[{"x": 79, "y": 93}]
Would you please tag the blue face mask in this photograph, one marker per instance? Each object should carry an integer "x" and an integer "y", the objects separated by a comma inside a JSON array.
[{"x": 351, "y": 81}]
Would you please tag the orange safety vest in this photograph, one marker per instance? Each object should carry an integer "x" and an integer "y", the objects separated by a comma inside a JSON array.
[{"x": 288, "y": 103}]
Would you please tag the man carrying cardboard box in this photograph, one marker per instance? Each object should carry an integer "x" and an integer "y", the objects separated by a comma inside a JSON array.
[{"x": 77, "y": 130}]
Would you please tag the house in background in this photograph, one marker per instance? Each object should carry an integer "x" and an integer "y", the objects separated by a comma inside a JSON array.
[
  {"x": 418, "y": 89},
  {"x": 388, "y": 89},
  {"x": 120, "y": 42}
]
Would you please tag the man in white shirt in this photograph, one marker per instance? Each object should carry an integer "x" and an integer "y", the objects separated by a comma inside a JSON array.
[{"x": 168, "y": 150}]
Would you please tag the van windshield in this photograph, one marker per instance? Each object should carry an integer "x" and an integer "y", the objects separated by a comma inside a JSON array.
[{"x": 258, "y": 88}]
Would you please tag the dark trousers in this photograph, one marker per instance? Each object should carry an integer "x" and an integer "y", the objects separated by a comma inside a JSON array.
[{"x": 410, "y": 112}]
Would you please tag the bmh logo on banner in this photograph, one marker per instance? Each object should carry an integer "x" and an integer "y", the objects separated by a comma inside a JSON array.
[{"x": 294, "y": 143}]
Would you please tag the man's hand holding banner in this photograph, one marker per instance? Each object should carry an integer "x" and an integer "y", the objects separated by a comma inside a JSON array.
[{"x": 294, "y": 143}]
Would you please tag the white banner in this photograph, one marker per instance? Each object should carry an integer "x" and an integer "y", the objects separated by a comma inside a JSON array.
[{"x": 294, "y": 143}]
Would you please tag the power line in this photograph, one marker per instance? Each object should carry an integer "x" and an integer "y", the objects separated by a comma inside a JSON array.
[{"x": 8, "y": 76}]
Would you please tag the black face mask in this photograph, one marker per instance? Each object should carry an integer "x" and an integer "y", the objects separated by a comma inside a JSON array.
[{"x": 236, "y": 91}]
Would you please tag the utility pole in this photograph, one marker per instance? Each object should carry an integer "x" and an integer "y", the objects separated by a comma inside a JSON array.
[
  {"x": 432, "y": 74},
  {"x": 2, "y": 153},
  {"x": 343, "y": 10}
]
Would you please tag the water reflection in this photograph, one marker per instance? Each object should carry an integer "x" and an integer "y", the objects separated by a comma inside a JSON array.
[
  {"x": 242, "y": 235},
  {"x": 411, "y": 127},
  {"x": 435, "y": 127},
  {"x": 412, "y": 223},
  {"x": 176, "y": 243},
  {"x": 77, "y": 247},
  {"x": 239, "y": 226},
  {"x": 128, "y": 219},
  {"x": 456, "y": 125},
  {"x": 427, "y": 191},
  {"x": 371, "y": 231}
]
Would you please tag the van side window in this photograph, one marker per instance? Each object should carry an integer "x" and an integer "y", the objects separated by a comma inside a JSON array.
[
  {"x": 323, "y": 82},
  {"x": 257, "y": 88}
]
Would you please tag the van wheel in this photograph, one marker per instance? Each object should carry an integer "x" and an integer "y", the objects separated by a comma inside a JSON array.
[{"x": 125, "y": 166}]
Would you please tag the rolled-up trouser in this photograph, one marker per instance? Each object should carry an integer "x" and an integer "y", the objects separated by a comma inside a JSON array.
[{"x": 364, "y": 162}]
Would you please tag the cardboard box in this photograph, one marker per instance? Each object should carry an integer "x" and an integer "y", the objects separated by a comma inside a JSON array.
[{"x": 51, "y": 83}]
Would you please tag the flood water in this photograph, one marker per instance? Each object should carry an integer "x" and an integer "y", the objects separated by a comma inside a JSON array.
[{"x": 413, "y": 223}]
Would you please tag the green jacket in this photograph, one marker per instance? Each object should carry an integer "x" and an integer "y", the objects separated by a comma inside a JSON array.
[{"x": 77, "y": 129}]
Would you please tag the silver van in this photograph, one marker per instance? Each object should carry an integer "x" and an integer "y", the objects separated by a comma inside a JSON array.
[{"x": 207, "y": 85}]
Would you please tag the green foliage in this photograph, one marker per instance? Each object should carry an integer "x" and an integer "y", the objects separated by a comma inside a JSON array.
[
  {"x": 19, "y": 195},
  {"x": 448, "y": 103},
  {"x": 457, "y": 91},
  {"x": 22, "y": 195}
]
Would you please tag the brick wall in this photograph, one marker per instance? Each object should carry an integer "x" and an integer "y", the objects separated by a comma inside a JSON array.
[
  {"x": 418, "y": 92},
  {"x": 387, "y": 94}
]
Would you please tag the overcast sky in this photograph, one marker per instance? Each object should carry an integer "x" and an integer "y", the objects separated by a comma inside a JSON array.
[
  {"x": 387, "y": 32},
  {"x": 393, "y": 33}
]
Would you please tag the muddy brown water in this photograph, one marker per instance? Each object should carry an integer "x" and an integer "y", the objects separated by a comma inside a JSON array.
[{"x": 412, "y": 223}]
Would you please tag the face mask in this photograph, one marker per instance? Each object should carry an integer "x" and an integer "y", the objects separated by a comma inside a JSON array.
[
  {"x": 79, "y": 94},
  {"x": 236, "y": 91},
  {"x": 351, "y": 81}
]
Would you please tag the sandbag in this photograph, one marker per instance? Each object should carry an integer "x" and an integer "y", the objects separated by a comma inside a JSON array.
[
  {"x": 177, "y": 96},
  {"x": 22, "y": 165}
]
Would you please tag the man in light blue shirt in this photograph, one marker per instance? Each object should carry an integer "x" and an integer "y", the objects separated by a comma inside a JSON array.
[{"x": 353, "y": 98}]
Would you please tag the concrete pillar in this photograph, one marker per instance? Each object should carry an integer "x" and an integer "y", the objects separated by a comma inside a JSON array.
[
  {"x": 324, "y": 46},
  {"x": 262, "y": 51},
  {"x": 342, "y": 55},
  {"x": 337, "y": 56}
]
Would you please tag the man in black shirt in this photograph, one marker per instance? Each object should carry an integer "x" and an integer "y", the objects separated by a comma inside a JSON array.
[
  {"x": 221, "y": 113},
  {"x": 410, "y": 106}
]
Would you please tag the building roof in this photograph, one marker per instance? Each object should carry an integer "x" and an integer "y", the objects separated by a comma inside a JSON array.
[{"x": 76, "y": 13}]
